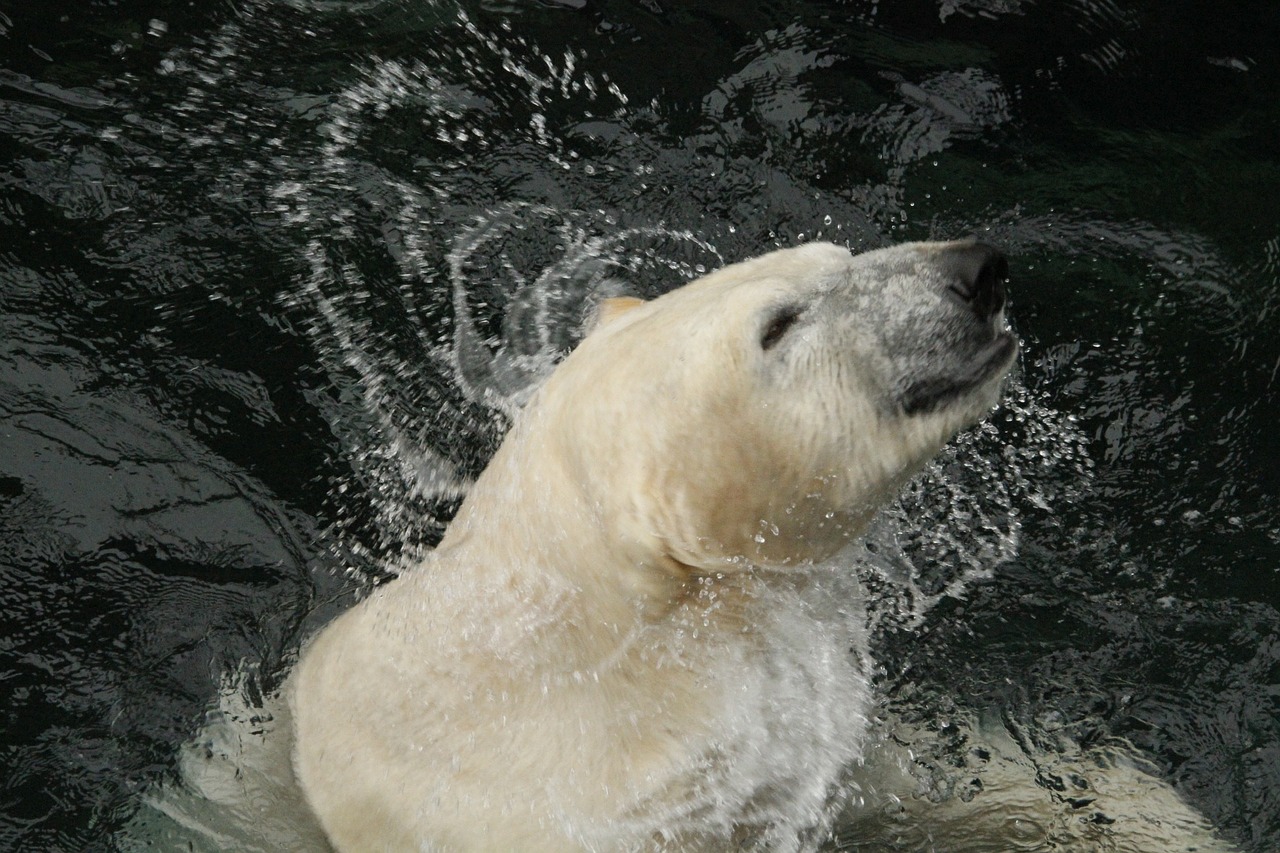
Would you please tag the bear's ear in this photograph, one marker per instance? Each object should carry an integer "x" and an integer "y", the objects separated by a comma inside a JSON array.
[{"x": 612, "y": 308}]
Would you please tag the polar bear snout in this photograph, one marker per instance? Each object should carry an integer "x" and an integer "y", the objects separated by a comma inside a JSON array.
[
  {"x": 947, "y": 340},
  {"x": 977, "y": 274}
]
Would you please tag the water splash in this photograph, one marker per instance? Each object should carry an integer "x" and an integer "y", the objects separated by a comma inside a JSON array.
[
  {"x": 958, "y": 520},
  {"x": 546, "y": 311},
  {"x": 380, "y": 322}
]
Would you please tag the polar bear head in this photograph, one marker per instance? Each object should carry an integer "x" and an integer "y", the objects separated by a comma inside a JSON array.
[{"x": 760, "y": 415}]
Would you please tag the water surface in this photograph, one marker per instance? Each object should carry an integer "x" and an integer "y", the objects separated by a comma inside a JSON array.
[{"x": 274, "y": 274}]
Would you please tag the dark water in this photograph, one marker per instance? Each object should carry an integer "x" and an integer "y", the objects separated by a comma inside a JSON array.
[{"x": 248, "y": 252}]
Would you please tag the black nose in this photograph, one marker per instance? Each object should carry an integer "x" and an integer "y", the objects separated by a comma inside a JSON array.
[{"x": 977, "y": 273}]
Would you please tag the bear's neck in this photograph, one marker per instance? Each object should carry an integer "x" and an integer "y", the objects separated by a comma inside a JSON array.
[{"x": 531, "y": 572}]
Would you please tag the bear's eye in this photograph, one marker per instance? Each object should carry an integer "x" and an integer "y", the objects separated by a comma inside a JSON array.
[{"x": 778, "y": 326}]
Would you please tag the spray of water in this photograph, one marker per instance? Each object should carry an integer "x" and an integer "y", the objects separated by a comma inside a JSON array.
[{"x": 958, "y": 520}]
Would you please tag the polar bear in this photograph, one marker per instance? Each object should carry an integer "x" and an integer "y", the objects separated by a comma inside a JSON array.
[{"x": 630, "y": 637}]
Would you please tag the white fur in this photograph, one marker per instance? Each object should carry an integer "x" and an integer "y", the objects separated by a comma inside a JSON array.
[{"x": 625, "y": 640}]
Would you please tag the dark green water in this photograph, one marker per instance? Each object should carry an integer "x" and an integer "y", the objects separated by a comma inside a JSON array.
[{"x": 237, "y": 239}]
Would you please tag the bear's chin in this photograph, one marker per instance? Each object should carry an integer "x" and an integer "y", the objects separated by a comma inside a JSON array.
[{"x": 986, "y": 369}]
